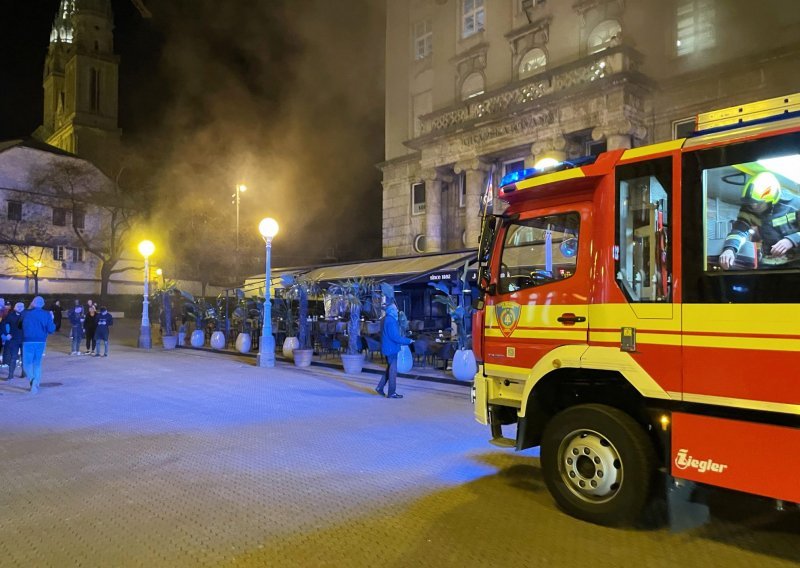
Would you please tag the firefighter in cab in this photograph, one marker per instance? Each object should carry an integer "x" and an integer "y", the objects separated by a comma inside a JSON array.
[{"x": 769, "y": 218}]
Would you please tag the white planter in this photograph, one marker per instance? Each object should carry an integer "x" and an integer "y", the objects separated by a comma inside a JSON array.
[
  {"x": 289, "y": 345},
  {"x": 353, "y": 364},
  {"x": 169, "y": 341},
  {"x": 243, "y": 343},
  {"x": 302, "y": 357},
  {"x": 464, "y": 365},
  {"x": 198, "y": 338},
  {"x": 218, "y": 340}
]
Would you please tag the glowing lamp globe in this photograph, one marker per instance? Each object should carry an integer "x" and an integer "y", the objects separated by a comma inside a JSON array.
[
  {"x": 146, "y": 248},
  {"x": 268, "y": 227}
]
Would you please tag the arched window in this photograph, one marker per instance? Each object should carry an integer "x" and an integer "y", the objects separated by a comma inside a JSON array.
[
  {"x": 604, "y": 35},
  {"x": 472, "y": 86},
  {"x": 419, "y": 243},
  {"x": 532, "y": 61}
]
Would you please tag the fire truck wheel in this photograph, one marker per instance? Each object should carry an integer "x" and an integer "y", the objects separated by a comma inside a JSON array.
[{"x": 598, "y": 464}]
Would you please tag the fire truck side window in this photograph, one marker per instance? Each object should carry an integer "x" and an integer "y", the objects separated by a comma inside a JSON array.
[
  {"x": 643, "y": 221},
  {"x": 539, "y": 251}
]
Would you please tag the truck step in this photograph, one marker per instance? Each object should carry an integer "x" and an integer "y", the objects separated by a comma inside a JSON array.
[{"x": 503, "y": 442}]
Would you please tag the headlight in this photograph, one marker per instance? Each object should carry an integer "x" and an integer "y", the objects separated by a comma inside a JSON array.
[{"x": 473, "y": 394}]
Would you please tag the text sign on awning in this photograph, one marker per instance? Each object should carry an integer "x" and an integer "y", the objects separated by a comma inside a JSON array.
[{"x": 440, "y": 276}]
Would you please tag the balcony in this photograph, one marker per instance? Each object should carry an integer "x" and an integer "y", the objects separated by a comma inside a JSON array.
[{"x": 537, "y": 91}]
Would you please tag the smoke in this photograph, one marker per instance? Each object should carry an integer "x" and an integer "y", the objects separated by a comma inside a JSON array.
[{"x": 284, "y": 96}]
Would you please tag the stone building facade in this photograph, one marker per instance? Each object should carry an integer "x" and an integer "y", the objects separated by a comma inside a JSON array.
[{"x": 478, "y": 88}]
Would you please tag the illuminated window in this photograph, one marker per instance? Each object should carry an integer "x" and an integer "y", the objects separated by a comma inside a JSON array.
[
  {"x": 472, "y": 86},
  {"x": 473, "y": 17},
  {"x": 418, "y": 198},
  {"x": 694, "y": 26},
  {"x": 58, "y": 252},
  {"x": 533, "y": 61},
  {"x": 423, "y": 39},
  {"x": 604, "y": 35}
]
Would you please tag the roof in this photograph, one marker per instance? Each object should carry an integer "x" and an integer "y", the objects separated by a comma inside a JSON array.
[
  {"x": 396, "y": 271},
  {"x": 34, "y": 144}
]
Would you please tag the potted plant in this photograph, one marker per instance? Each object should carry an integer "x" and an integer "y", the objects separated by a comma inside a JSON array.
[
  {"x": 246, "y": 311},
  {"x": 197, "y": 308},
  {"x": 168, "y": 337},
  {"x": 300, "y": 287},
  {"x": 282, "y": 310},
  {"x": 354, "y": 297},
  {"x": 464, "y": 364}
]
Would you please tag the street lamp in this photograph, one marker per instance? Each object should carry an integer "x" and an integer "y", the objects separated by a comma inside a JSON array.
[
  {"x": 38, "y": 265},
  {"x": 266, "y": 349},
  {"x": 146, "y": 249}
]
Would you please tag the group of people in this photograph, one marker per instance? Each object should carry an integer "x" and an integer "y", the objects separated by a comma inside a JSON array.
[
  {"x": 93, "y": 324},
  {"x": 24, "y": 331}
]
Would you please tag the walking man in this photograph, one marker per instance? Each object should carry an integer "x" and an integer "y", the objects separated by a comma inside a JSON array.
[
  {"x": 104, "y": 323},
  {"x": 37, "y": 324},
  {"x": 76, "y": 321},
  {"x": 391, "y": 340},
  {"x": 12, "y": 335}
]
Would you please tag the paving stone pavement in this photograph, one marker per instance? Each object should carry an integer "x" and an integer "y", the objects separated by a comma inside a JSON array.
[{"x": 189, "y": 458}]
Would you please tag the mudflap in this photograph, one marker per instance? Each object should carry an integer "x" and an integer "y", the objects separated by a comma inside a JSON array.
[{"x": 685, "y": 505}]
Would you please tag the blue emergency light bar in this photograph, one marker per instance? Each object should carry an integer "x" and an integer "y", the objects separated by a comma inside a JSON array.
[{"x": 528, "y": 173}]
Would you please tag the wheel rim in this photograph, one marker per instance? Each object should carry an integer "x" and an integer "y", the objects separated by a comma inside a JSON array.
[{"x": 590, "y": 466}]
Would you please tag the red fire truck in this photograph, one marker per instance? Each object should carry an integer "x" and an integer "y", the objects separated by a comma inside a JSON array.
[{"x": 640, "y": 313}]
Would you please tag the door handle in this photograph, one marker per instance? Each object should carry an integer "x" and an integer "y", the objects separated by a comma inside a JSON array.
[{"x": 570, "y": 319}]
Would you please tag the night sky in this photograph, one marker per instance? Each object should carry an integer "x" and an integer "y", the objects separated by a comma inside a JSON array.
[{"x": 283, "y": 95}]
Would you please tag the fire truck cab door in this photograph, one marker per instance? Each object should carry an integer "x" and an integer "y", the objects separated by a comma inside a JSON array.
[{"x": 541, "y": 268}]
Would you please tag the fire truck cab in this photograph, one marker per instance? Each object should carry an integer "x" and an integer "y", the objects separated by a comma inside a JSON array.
[{"x": 640, "y": 312}]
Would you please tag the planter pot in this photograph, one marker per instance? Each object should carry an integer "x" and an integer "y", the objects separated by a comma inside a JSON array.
[
  {"x": 352, "y": 363},
  {"x": 198, "y": 338},
  {"x": 243, "y": 343},
  {"x": 169, "y": 341},
  {"x": 218, "y": 340},
  {"x": 289, "y": 345},
  {"x": 181, "y": 338},
  {"x": 302, "y": 357},
  {"x": 464, "y": 365}
]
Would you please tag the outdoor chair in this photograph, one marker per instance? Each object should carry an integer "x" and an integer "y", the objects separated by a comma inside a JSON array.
[
  {"x": 328, "y": 345},
  {"x": 373, "y": 346},
  {"x": 445, "y": 354},
  {"x": 422, "y": 349}
]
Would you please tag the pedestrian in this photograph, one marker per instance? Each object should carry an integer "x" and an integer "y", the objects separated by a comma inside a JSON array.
[
  {"x": 104, "y": 323},
  {"x": 89, "y": 304},
  {"x": 57, "y": 314},
  {"x": 89, "y": 328},
  {"x": 391, "y": 341},
  {"x": 37, "y": 324},
  {"x": 12, "y": 334},
  {"x": 2, "y": 336},
  {"x": 76, "y": 321}
]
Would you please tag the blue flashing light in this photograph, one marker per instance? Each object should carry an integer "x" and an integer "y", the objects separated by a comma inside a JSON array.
[{"x": 519, "y": 175}]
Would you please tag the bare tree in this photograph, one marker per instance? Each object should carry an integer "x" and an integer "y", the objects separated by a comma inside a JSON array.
[{"x": 103, "y": 213}]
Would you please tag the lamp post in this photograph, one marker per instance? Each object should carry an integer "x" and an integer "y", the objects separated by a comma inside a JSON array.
[
  {"x": 38, "y": 265},
  {"x": 266, "y": 348},
  {"x": 146, "y": 249}
]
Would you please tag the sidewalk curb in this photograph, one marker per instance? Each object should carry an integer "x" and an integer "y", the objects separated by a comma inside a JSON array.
[{"x": 336, "y": 366}]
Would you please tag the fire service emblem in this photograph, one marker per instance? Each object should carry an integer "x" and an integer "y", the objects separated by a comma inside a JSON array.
[{"x": 507, "y": 314}]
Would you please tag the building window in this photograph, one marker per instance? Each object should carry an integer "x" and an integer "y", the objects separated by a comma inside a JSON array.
[
  {"x": 78, "y": 218},
  {"x": 76, "y": 254},
  {"x": 423, "y": 39},
  {"x": 683, "y": 128},
  {"x": 473, "y": 17},
  {"x": 418, "y": 198},
  {"x": 94, "y": 89},
  {"x": 58, "y": 253},
  {"x": 533, "y": 61},
  {"x": 422, "y": 104},
  {"x": 419, "y": 243},
  {"x": 461, "y": 182},
  {"x": 513, "y": 166},
  {"x": 472, "y": 86},
  {"x": 59, "y": 216},
  {"x": 15, "y": 211},
  {"x": 694, "y": 26},
  {"x": 605, "y": 34}
]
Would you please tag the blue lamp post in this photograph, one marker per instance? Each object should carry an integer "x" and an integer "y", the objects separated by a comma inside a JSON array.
[
  {"x": 266, "y": 348},
  {"x": 146, "y": 249}
]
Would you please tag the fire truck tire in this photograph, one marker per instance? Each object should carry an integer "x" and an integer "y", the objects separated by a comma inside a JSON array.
[{"x": 598, "y": 464}]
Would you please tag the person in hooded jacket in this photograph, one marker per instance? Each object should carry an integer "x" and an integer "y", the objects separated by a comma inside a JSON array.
[
  {"x": 76, "y": 321},
  {"x": 12, "y": 335},
  {"x": 391, "y": 341},
  {"x": 37, "y": 324}
]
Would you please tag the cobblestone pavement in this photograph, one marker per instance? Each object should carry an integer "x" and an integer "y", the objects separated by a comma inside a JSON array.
[{"x": 193, "y": 459}]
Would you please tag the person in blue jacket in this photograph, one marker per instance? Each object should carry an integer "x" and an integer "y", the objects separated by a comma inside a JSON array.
[
  {"x": 76, "y": 321},
  {"x": 37, "y": 324},
  {"x": 12, "y": 335},
  {"x": 104, "y": 323},
  {"x": 391, "y": 341}
]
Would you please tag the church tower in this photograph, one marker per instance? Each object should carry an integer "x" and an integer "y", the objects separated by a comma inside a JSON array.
[{"x": 81, "y": 77}]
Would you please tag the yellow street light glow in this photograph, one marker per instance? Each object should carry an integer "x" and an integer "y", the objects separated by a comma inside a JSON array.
[
  {"x": 146, "y": 248},
  {"x": 159, "y": 272},
  {"x": 268, "y": 227},
  {"x": 241, "y": 187},
  {"x": 38, "y": 264}
]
